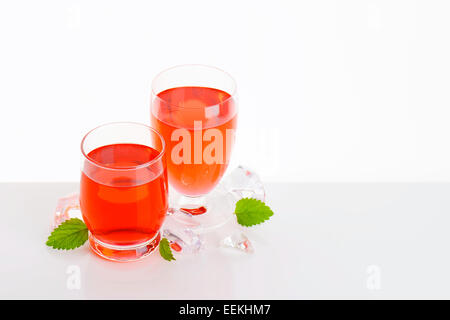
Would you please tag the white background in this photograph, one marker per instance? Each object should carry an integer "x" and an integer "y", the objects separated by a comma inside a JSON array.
[{"x": 329, "y": 90}]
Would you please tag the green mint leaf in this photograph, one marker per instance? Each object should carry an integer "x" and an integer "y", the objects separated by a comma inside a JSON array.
[
  {"x": 164, "y": 250},
  {"x": 69, "y": 235},
  {"x": 250, "y": 212}
]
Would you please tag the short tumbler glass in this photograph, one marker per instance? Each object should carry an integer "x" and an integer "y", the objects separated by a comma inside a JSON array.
[{"x": 123, "y": 189}]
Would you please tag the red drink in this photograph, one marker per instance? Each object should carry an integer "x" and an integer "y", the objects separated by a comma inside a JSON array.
[
  {"x": 186, "y": 108},
  {"x": 123, "y": 200}
]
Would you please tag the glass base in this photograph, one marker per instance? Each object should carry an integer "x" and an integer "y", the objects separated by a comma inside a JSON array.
[
  {"x": 124, "y": 253},
  {"x": 203, "y": 213}
]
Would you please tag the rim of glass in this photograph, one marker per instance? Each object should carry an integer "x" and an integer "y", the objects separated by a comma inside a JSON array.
[
  {"x": 143, "y": 165},
  {"x": 232, "y": 94}
]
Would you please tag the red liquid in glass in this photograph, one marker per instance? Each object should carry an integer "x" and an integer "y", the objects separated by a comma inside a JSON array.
[
  {"x": 179, "y": 108},
  {"x": 123, "y": 207}
]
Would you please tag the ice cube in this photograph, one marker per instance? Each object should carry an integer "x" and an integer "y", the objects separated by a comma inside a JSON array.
[{"x": 67, "y": 207}]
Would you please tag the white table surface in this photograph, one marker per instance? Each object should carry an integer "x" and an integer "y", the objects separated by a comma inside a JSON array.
[{"x": 324, "y": 241}]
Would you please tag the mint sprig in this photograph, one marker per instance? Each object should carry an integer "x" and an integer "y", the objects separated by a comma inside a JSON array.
[
  {"x": 69, "y": 235},
  {"x": 164, "y": 250},
  {"x": 250, "y": 212}
]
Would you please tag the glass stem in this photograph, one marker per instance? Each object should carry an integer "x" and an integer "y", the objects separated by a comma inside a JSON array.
[{"x": 192, "y": 205}]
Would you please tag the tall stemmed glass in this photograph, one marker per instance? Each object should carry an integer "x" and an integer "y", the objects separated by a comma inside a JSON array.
[{"x": 194, "y": 108}]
